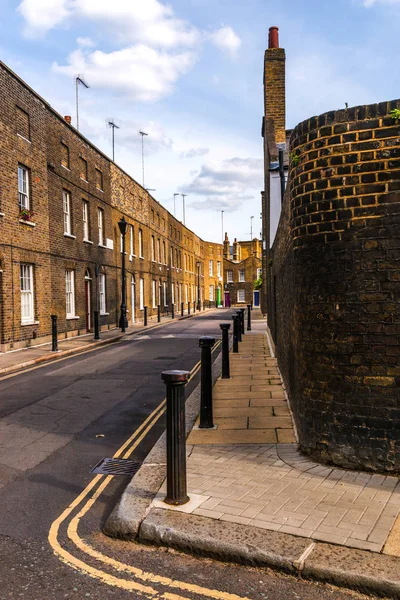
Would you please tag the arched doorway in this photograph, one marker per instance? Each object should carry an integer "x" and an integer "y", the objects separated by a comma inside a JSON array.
[{"x": 88, "y": 302}]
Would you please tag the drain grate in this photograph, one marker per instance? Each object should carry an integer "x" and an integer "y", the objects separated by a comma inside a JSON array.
[{"x": 116, "y": 466}]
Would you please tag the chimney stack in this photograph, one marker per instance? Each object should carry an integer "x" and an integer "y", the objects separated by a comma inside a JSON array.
[
  {"x": 68, "y": 119},
  {"x": 274, "y": 85},
  {"x": 226, "y": 247}
]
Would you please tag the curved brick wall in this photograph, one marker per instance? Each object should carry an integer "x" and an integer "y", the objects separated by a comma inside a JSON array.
[{"x": 334, "y": 302}]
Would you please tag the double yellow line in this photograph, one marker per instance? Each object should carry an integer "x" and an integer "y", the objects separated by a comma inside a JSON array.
[{"x": 139, "y": 580}]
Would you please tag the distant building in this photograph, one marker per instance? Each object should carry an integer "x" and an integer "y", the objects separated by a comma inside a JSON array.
[{"x": 242, "y": 268}]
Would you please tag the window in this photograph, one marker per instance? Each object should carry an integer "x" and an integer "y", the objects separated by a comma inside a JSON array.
[
  {"x": 211, "y": 268},
  {"x": 70, "y": 293},
  {"x": 165, "y": 293},
  {"x": 186, "y": 293},
  {"x": 152, "y": 215},
  {"x": 154, "y": 293},
  {"x": 241, "y": 296},
  {"x": 172, "y": 257},
  {"x": 219, "y": 268},
  {"x": 132, "y": 241},
  {"x": 180, "y": 292},
  {"x": 27, "y": 311},
  {"x": 22, "y": 122},
  {"x": 153, "y": 249},
  {"x": 229, "y": 276},
  {"x": 259, "y": 273},
  {"x": 177, "y": 258},
  {"x": 23, "y": 187},
  {"x": 159, "y": 250},
  {"x": 158, "y": 220},
  {"x": 83, "y": 168},
  {"x": 141, "y": 292},
  {"x": 184, "y": 261},
  {"x": 85, "y": 220},
  {"x": 164, "y": 253},
  {"x": 163, "y": 224},
  {"x": 100, "y": 222},
  {"x": 64, "y": 155},
  {"x": 102, "y": 293},
  {"x": 67, "y": 212},
  {"x": 141, "y": 243},
  {"x": 211, "y": 292},
  {"x": 99, "y": 179},
  {"x": 242, "y": 275},
  {"x": 172, "y": 294}
]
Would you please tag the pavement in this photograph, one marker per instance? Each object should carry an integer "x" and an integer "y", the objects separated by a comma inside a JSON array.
[
  {"x": 255, "y": 499},
  {"x": 17, "y": 360}
]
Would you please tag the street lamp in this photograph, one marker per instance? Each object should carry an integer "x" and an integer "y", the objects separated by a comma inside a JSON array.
[
  {"x": 198, "y": 265},
  {"x": 123, "y": 322}
]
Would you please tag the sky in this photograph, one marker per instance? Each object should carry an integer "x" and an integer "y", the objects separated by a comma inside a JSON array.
[{"x": 189, "y": 73}]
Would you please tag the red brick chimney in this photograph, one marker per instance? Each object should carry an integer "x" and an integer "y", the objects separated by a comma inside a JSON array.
[
  {"x": 274, "y": 84},
  {"x": 68, "y": 119}
]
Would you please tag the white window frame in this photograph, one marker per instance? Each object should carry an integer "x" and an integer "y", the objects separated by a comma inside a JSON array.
[
  {"x": 140, "y": 240},
  {"x": 218, "y": 268},
  {"x": 85, "y": 220},
  {"x": 70, "y": 294},
  {"x": 154, "y": 293},
  {"x": 153, "y": 249},
  {"x": 132, "y": 246},
  {"x": 159, "y": 251},
  {"x": 259, "y": 272},
  {"x": 165, "y": 293},
  {"x": 23, "y": 187},
  {"x": 229, "y": 276},
  {"x": 242, "y": 276},
  {"x": 211, "y": 268},
  {"x": 27, "y": 294},
  {"x": 186, "y": 293},
  {"x": 241, "y": 296},
  {"x": 172, "y": 293},
  {"x": 67, "y": 212},
  {"x": 102, "y": 294},
  {"x": 141, "y": 292},
  {"x": 211, "y": 293},
  {"x": 100, "y": 225}
]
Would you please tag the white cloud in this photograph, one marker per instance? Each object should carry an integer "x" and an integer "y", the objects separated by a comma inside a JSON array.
[
  {"x": 369, "y": 3},
  {"x": 226, "y": 39},
  {"x": 227, "y": 184},
  {"x": 85, "y": 42},
  {"x": 193, "y": 152},
  {"x": 145, "y": 74},
  {"x": 42, "y": 15}
]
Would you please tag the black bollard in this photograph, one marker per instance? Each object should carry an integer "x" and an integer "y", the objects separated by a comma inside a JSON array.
[
  {"x": 242, "y": 310},
  {"x": 188, "y": 308},
  {"x": 194, "y": 307},
  {"x": 54, "y": 341},
  {"x": 182, "y": 311},
  {"x": 249, "y": 317},
  {"x": 172, "y": 311},
  {"x": 96, "y": 325},
  {"x": 235, "y": 347},
  {"x": 176, "y": 436},
  {"x": 145, "y": 316},
  {"x": 225, "y": 350},
  {"x": 206, "y": 412},
  {"x": 239, "y": 325},
  {"x": 158, "y": 313}
]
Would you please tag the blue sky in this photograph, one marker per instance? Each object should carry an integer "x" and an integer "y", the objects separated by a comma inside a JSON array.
[{"x": 189, "y": 72}]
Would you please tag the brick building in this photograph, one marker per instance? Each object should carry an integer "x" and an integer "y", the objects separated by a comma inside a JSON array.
[
  {"x": 60, "y": 247},
  {"x": 242, "y": 267}
]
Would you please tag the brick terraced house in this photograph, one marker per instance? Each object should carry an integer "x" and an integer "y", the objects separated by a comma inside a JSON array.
[
  {"x": 60, "y": 247},
  {"x": 242, "y": 267}
]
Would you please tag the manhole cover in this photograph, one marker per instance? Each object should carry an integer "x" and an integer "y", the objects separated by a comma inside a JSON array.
[{"x": 116, "y": 466}]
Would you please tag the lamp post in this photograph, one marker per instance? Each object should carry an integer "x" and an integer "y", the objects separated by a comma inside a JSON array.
[
  {"x": 123, "y": 323},
  {"x": 198, "y": 265}
]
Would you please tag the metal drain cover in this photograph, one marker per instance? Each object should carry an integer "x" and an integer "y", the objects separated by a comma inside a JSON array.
[{"x": 116, "y": 466}]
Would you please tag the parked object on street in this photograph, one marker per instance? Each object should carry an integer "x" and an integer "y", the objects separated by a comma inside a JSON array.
[
  {"x": 206, "y": 413},
  {"x": 54, "y": 343},
  {"x": 225, "y": 350}
]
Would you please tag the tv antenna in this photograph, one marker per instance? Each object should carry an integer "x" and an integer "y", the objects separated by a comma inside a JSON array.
[
  {"x": 114, "y": 126},
  {"x": 79, "y": 80}
]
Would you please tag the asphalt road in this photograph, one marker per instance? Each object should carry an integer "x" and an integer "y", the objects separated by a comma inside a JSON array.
[{"x": 56, "y": 423}]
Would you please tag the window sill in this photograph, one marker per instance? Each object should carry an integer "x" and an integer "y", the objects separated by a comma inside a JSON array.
[
  {"x": 99, "y": 189},
  {"x": 87, "y": 241},
  {"x": 24, "y": 138},
  {"x": 2, "y": 214},
  {"x": 69, "y": 235},
  {"x": 104, "y": 314},
  {"x": 72, "y": 318},
  {"x": 30, "y": 323},
  {"x": 27, "y": 223},
  {"x": 141, "y": 257},
  {"x": 132, "y": 256},
  {"x": 83, "y": 179},
  {"x": 66, "y": 168},
  {"x": 102, "y": 246}
]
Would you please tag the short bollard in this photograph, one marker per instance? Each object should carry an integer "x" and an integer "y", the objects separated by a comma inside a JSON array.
[
  {"x": 182, "y": 309},
  {"x": 239, "y": 325},
  {"x": 249, "y": 317},
  {"x": 176, "y": 436},
  {"x": 235, "y": 347},
  {"x": 54, "y": 341},
  {"x": 206, "y": 412},
  {"x": 172, "y": 311},
  {"x": 194, "y": 307},
  {"x": 145, "y": 316},
  {"x": 158, "y": 313},
  {"x": 96, "y": 325},
  {"x": 225, "y": 350},
  {"x": 242, "y": 310},
  {"x": 188, "y": 308}
]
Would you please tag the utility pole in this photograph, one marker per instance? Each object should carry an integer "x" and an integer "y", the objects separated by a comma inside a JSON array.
[
  {"x": 78, "y": 80},
  {"x": 175, "y": 195},
  {"x": 183, "y": 207},
  {"x": 222, "y": 225},
  {"x": 251, "y": 228},
  {"x": 142, "y": 133},
  {"x": 113, "y": 126}
]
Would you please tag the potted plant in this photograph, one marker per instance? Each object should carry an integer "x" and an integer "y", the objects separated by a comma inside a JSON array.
[{"x": 25, "y": 214}]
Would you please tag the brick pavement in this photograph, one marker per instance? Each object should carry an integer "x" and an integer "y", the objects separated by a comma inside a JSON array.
[{"x": 249, "y": 471}]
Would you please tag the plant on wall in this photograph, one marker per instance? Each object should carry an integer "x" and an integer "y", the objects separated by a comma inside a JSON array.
[
  {"x": 26, "y": 215},
  {"x": 395, "y": 114},
  {"x": 258, "y": 283},
  {"x": 295, "y": 158}
]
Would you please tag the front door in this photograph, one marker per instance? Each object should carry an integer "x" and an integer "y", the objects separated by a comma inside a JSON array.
[
  {"x": 256, "y": 301},
  {"x": 227, "y": 299},
  {"x": 88, "y": 307}
]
